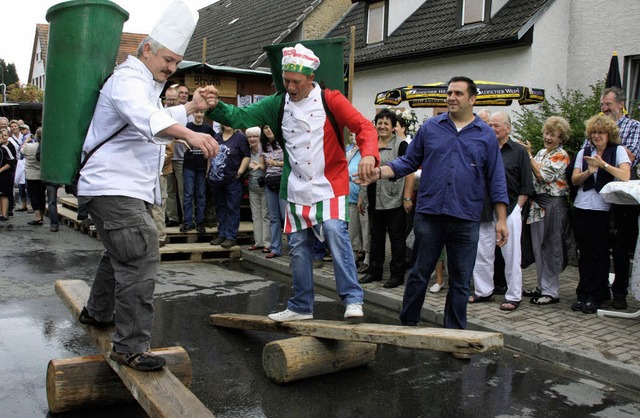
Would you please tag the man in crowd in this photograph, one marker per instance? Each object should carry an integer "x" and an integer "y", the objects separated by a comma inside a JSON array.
[
  {"x": 625, "y": 217},
  {"x": 171, "y": 98},
  {"x": 120, "y": 181},
  {"x": 315, "y": 176},
  {"x": 460, "y": 161},
  {"x": 519, "y": 187}
]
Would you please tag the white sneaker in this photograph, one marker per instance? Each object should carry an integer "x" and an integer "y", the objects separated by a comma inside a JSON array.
[
  {"x": 354, "y": 310},
  {"x": 288, "y": 315},
  {"x": 436, "y": 287}
]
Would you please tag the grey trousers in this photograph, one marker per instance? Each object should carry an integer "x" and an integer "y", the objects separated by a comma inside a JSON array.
[{"x": 125, "y": 280}]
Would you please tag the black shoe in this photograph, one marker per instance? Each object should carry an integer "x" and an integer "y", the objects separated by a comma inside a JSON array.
[
  {"x": 499, "y": 290},
  {"x": 172, "y": 223},
  {"x": 619, "y": 303},
  {"x": 391, "y": 283},
  {"x": 144, "y": 362},
  {"x": 368, "y": 278},
  {"x": 87, "y": 319},
  {"x": 162, "y": 243},
  {"x": 200, "y": 229},
  {"x": 228, "y": 243},
  {"x": 186, "y": 228},
  {"x": 217, "y": 241},
  {"x": 35, "y": 222},
  {"x": 577, "y": 306},
  {"x": 531, "y": 293},
  {"x": 54, "y": 227},
  {"x": 3, "y": 218},
  {"x": 590, "y": 308},
  {"x": 10, "y": 213}
]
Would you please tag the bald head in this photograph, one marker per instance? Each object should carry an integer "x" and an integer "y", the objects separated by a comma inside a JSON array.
[
  {"x": 501, "y": 124},
  {"x": 484, "y": 114}
]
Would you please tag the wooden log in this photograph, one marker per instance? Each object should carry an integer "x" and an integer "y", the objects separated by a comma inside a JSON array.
[
  {"x": 159, "y": 393},
  {"x": 89, "y": 382},
  {"x": 439, "y": 339},
  {"x": 301, "y": 357}
]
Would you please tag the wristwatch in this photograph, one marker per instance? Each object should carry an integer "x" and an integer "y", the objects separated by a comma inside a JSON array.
[
  {"x": 605, "y": 166},
  {"x": 406, "y": 199}
]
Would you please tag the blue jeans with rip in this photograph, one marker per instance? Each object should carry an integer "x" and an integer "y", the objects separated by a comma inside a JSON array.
[
  {"x": 195, "y": 185},
  {"x": 432, "y": 232},
  {"x": 337, "y": 238},
  {"x": 228, "y": 198}
]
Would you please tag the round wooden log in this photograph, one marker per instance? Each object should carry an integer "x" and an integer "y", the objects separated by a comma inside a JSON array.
[
  {"x": 301, "y": 357},
  {"x": 88, "y": 381}
]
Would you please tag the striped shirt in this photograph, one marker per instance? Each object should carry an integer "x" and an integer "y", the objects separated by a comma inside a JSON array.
[{"x": 300, "y": 217}]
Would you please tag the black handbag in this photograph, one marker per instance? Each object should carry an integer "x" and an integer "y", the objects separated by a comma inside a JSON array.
[{"x": 272, "y": 182}]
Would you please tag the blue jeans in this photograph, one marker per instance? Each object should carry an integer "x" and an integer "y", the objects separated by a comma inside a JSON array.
[
  {"x": 337, "y": 238},
  {"x": 432, "y": 233},
  {"x": 52, "y": 203},
  {"x": 228, "y": 198},
  {"x": 195, "y": 183},
  {"x": 276, "y": 213}
]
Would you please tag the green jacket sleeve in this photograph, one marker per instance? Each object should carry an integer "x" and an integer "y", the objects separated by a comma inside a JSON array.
[{"x": 264, "y": 112}]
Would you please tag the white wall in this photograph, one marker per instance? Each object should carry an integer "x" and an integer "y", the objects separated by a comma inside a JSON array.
[
  {"x": 38, "y": 66},
  {"x": 597, "y": 29}
]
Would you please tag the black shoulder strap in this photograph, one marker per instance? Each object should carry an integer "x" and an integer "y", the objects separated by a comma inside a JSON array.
[{"x": 96, "y": 148}]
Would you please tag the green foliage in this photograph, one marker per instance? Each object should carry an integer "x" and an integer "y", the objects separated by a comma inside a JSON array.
[
  {"x": 8, "y": 73},
  {"x": 573, "y": 105},
  {"x": 17, "y": 93}
]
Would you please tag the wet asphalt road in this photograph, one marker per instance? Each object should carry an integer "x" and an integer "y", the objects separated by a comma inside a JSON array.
[{"x": 227, "y": 371}]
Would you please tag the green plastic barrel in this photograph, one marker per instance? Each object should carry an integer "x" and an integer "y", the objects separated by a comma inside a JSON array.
[
  {"x": 84, "y": 38},
  {"x": 330, "y": 73}
]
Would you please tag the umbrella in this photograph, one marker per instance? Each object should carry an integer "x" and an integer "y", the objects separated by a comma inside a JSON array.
[
  {"x": 435, "y": 95},
  {"x": 613, "y": 76}
]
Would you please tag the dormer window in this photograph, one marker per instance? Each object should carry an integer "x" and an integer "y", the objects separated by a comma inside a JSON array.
[
  {"x": 376, "y": 22},
  {"x": 474, "y": 11}
]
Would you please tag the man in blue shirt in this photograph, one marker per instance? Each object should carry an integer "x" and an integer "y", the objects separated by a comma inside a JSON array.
[{"x": 461, "y": 162}]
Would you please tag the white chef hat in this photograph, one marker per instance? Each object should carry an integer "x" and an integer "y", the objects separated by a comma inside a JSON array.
[
  {"x": 175, "y": 27},
  {"x": 299, "y": 59}
]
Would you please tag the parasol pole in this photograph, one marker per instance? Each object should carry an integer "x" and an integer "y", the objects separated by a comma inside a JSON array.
[{"x": 351, "y": 63}]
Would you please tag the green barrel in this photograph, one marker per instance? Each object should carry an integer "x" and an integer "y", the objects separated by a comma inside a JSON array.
[
  {"x": 84, "y": 38},
  {"x": 330, "y": 74}
]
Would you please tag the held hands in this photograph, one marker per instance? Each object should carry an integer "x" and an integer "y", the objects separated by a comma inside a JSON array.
[
  {"x": 205, "y": 97},
  {"x": 367, "y": 171}
]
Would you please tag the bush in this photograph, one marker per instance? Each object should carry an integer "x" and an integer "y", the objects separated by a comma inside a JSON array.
[{"x": 573, "y": 105}]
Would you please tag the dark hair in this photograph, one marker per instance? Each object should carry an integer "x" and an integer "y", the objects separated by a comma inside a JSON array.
[
  {"x": 402, "y": 122},
  {"x": 264, "y": 140},
  {"x": 471, "y": 85},
  {"x": 386, "y": 113}
]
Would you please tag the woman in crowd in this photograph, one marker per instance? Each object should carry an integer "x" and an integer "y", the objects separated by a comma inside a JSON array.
[
  {"x": 388, "y": 203},
  {"x": 549, "y": 213},
  {"x": 224, "y": 176},
  {"x": 257, "y": 194},
  {"x": 599, "y": 163},
  {"x": 358, "y": 218},
  {"x": 272, "y": 161},
  {"x": 6, "y": 174},
  {"x": 35, "y": 186}
]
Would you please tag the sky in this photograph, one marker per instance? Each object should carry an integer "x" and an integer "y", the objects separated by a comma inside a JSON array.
[{"x": 21, "y": 16}]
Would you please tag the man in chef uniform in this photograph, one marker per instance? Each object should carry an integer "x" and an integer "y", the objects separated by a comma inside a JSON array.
[{"x": 120, "y": 182}]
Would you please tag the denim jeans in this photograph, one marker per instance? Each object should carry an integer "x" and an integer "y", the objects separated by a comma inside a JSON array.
[
  {"x": 432, "y": 233},
  {"x": 195, "y": 185},
  {"x": 228, "y": 198},
  {"x": 276, "y": 213},
  {"x": 52, "y": 203},
  {"x": 337, "y": 238}
]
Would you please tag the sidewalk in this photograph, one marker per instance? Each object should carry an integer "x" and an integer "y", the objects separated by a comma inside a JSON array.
[{"x": 606, "y": 347}]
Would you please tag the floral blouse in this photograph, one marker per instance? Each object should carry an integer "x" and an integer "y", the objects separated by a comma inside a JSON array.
[{"x": 553, "y": 166}]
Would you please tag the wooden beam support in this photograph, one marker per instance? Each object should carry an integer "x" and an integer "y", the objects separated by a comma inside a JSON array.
[
  {"x": 160, "y": 393},
  {"x": 301, "y": 357},
  {"x": 439, "y": 339},
  {"x": 89, "y": 382}
]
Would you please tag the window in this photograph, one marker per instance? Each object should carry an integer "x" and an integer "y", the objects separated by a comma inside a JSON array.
[
  {"x": 375, "y": 26},
  {"x": 474, "y": 11},
  {"x": 633, "y": 80}
]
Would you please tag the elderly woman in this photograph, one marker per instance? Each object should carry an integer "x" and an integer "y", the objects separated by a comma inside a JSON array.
[
  {"x": 272, "y": 161},
  {"x": 549, "y": 214},
  {"x": 388, "y": 204},
  {"x": 7, "y": 162},
  {"x": 257, "y": 195},
  {"x": 35, "y": 186},
  {"x": 597, "y": 164}
]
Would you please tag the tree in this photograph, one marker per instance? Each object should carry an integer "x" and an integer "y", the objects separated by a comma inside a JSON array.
[
  {"x": 24, "y": 93},
  {"x": 8, "y": 73},
  {"x": 573, "y": 105}
]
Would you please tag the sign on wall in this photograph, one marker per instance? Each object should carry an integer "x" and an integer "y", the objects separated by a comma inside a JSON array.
[{"x": 227, "y": 86}]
